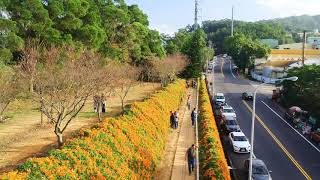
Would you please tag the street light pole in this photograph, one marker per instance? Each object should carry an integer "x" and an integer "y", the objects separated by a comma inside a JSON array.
[{"x": 294, "y": 78}]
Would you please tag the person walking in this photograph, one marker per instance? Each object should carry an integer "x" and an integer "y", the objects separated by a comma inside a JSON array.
[
  {"x": 193, "y": 116},
  {"x": 104, "y": 103},
  {"x": 95, "y": 103},
  {"x": 189, "y": 102},
  {"x": 190, "y": 157},
  {"x": 171, "y": 119},
  {"x": 176, "y": 120}
]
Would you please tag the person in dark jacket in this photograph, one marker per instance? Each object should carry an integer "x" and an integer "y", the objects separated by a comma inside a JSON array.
[
  {"x": 171, "y": 119},
  {"x": 193, "y": 116},
  {"x": 190, "y": 157}
]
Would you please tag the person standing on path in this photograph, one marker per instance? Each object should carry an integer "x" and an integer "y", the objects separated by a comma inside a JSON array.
[
  {"x": 176, "y": 120},
  {"x": 189, "y": 102},
  {"x": 104, "y": 103},
  {"x": 193, "y": 116},
  {"x": 190, "y": 156},
  {"x": 171, "y": 119}
]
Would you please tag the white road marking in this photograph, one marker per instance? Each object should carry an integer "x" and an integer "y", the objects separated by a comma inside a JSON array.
[{"x": 291, "y": 127}]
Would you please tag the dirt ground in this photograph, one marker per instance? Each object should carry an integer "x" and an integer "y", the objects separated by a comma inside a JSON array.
[{"x": 23, "y": 137}]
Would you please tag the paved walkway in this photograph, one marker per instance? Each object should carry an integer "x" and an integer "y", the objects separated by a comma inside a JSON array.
[{"x": 185, "y": 140}]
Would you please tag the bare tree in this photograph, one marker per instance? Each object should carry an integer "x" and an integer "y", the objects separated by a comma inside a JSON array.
[
  {"x": 125, "y": 77},
  {"x": 31, "y": 55},
  {"x": 64, "y": 83},
  {"x": 9, "y": 89},
  {"x": 169, "y": 68}
]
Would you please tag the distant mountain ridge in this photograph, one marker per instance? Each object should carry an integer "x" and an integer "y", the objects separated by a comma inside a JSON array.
[{"x": 297, "y": 23}]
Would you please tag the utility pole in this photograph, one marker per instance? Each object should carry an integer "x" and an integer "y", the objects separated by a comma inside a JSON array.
[
  {"x": 304, "y": 47},
  {"x": 232, "y": 23},
  {"x": 196, "y": 11}
]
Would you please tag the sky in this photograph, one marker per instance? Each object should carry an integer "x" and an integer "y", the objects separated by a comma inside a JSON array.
[{"x": 167, "y": 16}]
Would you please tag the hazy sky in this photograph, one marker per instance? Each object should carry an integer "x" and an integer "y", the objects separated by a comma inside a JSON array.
[{"x": 169, "y": 15}]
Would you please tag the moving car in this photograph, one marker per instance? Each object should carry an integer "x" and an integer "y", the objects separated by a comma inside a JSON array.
[
  {"x": 232, "y": 125},
  {"x": 247, "y": 96},
  {"x": 259, "y": 169},
  {"x": 219, "y": 98},
  {"x": 228, "y": 112},
  {"x": 239, "y": 142}
]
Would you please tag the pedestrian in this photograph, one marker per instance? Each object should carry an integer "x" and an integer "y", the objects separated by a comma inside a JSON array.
[
  {"x": 190, "y": 157},
  {"x": 193, "y": 116},
  {"x": 171, "y": 119},
  {"x": 104, "y": 103},
  {"x": 95, "y": 103},
  {"x": 176, "y": 120},
  {"x": 189, "y": 102}
]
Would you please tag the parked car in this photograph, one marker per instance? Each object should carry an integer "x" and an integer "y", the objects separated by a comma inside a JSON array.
[
  {"x": 228, "y": 112},
  {"x": 315, "y": 136},
  {"x": 259, "y": 169},
  {"x": 239, "y": 142},
  {"x": 247, "y": 96},
  {"x": 219, "y": 98},
  {"x": 232, "y": 125}
]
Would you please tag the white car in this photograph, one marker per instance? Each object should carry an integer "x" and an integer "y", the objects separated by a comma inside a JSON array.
[
  {"x": 228, "y": 112},
  {"x": 239, "y": 142},
  {"x": 219, "y": 98}
]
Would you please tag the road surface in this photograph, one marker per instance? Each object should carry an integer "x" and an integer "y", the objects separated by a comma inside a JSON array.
[{"x": 287, "y": 153}]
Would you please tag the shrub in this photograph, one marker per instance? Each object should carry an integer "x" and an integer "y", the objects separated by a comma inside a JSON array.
[
  {"x": 213, "y": 164},
  {"x": 126, "y": 147}
]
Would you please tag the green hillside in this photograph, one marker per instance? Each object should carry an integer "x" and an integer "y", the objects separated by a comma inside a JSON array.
[{"x": 297, "y": 23}]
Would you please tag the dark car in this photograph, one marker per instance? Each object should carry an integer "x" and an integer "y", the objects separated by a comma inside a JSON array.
[
  {"x": 259, "y": 169},
  {"x": 247, "y": 96}
]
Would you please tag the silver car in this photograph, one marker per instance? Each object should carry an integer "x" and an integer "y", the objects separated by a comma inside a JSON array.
[{"x": 259, "y": 169}]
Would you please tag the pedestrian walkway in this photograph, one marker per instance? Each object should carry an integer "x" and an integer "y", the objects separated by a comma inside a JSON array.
[{"x": 185, "y": 139}]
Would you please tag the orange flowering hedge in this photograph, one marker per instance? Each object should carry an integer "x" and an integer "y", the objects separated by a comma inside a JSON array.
[
  {"x": 127, "y": 147},
  {"x": 213, "y": 164}
]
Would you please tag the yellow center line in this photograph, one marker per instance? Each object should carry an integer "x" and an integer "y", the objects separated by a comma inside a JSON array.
[
  {"x": 305, "y": 174},
  {"x": 222, "y": 67}
]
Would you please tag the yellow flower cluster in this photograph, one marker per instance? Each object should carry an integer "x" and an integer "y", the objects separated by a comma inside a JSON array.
[
  {"x": 126, "y": 147},
  {"x": 213, "y": 164}
]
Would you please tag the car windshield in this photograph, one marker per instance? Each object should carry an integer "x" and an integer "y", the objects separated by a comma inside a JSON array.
[
  {"x": 231, "y": 122},
  {"x": 249, "y": 94},
  {"x": 220, "y": 97},
  {"x": 240, "y": 138},
  {"x": 259, "y": 170},
  {"x": 228, "y": 110}
]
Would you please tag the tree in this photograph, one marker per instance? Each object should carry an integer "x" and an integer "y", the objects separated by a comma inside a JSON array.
[
  {"x": 126, "y": 77},
  {"x": 64, "y": 82},
  {"x": 305, "y": 92},
  {"x": 168, "y": 69},
  {"x": 9, "y": 89},
  {"x": 30, "y": 58},
  {"x": 195, "y": 49},
  {"x": 244, "y": 50}
]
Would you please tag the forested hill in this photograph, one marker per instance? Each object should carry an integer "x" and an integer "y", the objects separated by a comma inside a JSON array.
[
  {"x": 297, "y": 23},
  {"x": 110, "y": 27}
]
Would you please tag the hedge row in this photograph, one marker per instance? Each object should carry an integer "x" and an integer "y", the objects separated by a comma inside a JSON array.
[
  {"x": 213, "y": 164},
  {"x": 127, "y": 147}
]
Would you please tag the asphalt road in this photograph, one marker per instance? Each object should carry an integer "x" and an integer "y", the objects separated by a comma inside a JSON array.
[{"x": 288, "y": 154}]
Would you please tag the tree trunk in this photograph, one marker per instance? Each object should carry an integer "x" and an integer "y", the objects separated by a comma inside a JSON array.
[
  {"x": 31, "y": 85},
  {"x": 122, "y": 105},
  {"x": 59, "y": 136},
  {"x": 98, "y": 110}
]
